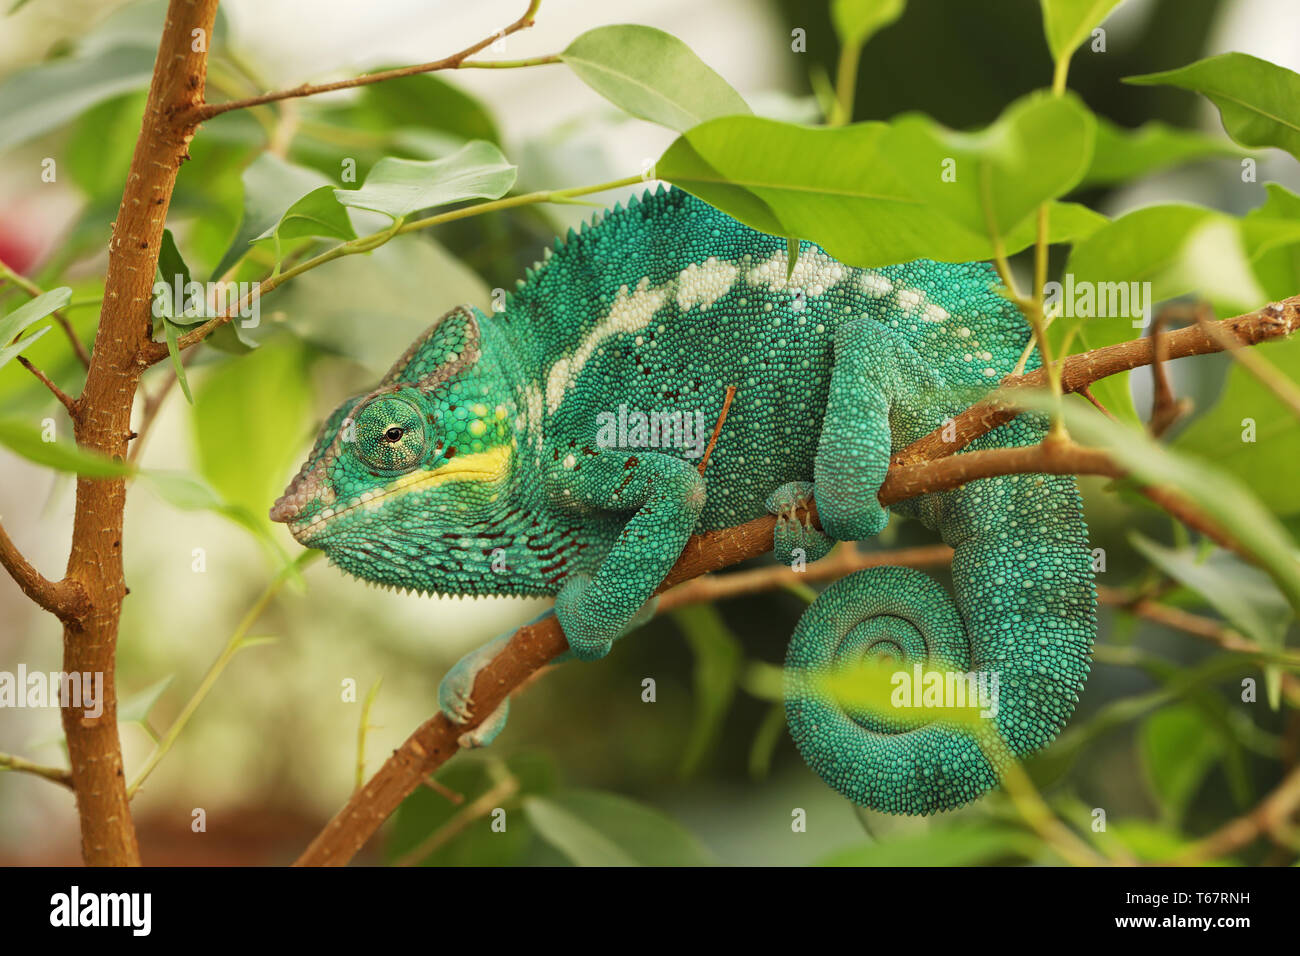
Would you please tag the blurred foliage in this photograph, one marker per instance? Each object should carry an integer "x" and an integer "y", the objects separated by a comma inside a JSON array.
[{"x": 1166, "y": 738}]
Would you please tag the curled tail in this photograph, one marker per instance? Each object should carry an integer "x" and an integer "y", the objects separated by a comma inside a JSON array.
[{"x": 1025, "y": 612}]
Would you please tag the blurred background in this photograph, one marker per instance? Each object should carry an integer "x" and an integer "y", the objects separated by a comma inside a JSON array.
[{"x": 272, "y": 751}]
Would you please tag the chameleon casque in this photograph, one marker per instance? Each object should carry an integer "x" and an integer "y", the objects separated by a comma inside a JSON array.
[{"x": 484, "y": 463}]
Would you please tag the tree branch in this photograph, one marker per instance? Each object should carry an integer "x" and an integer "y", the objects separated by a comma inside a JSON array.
[
  {"x": 65, "y": 599},
  {"x": 206, "y": 111},
  {"x": 102, "y": 423},
  {"x": 1274, "y": 321}
]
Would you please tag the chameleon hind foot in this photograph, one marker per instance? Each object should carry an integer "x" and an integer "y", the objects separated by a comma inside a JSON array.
[
  {"x": 455, "y": 693},
  {"x": 791, "y": 534}
]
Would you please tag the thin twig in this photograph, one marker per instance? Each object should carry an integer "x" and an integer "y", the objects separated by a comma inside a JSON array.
[
  {"x": 19, "y": 765},
  {"x": 717, "y": 427},
  {"x": 208, "y": 110},
  {"x": 1269, "y": 817},
  {"x": 1086, "y": 392},
  {"x": 1165, "y": 407},
  {"x": 480, "y": 807},
  {"x": 67, "y": 400}
]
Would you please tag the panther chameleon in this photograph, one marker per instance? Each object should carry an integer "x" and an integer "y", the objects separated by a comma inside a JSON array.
[{"x": 498, "y": 456}]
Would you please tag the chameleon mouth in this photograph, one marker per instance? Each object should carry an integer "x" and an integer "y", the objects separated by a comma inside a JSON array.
[{"x": 485, "y": 466}]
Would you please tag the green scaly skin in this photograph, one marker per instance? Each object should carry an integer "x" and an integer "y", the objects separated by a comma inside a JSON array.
[{"x": 486, "y": 463}]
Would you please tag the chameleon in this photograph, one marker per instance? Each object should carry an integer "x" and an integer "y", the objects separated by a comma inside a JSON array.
[{"x": 552, "y": 448}]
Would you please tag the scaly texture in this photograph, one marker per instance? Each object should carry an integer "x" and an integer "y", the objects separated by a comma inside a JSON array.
[{"x": 552, "y": 449}]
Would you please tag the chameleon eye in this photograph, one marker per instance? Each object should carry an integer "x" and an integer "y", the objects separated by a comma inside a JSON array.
[{"x": 390, "y": 434}]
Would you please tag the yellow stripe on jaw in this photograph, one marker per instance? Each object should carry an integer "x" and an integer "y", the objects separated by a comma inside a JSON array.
[
  {"x": 489, "y": 465},
  {"x": 482, "y": 466}
]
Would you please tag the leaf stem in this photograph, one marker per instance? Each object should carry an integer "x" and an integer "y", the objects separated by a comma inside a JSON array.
[
  {"x": 233, "y": 646},
  {"x": 846, "y": 83},
  {"x": 364, "y": 729}
]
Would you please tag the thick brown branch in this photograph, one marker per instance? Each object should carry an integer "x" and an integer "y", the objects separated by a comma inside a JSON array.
[
  {"x": 1273, "y": 321},
  {"x": 208, "y": 110},
  {"x": 64, "y": 599},
  {"x": 102, "y": 423}
]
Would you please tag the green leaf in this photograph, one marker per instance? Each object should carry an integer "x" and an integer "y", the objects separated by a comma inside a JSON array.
[
  {"x": 47, "y": 95},
  {"x": 171, "y": 265},
  {"x": 424, "y": 102},
  {"x": 1068, "y": 23},
  {"x": 1036, "y": 151},
  {"x": 247, "y": 413},
  {"x": 652, "y": 75},
  {"x": 193, "y": 494},
  {"x": 960, "y": 844},
  {"x": 1178, "y": 749},
  {"x": 1258, "y": 101},
  {"x": 603, "y": 829},
  {"x": 1122, "y": 155},
  {"x": 271, "y": 186},
  {"x": 400, "y": 187},
  {"x": 1274, "y": 251},
  {"x": 718, "y": 659},
  {"x": 174, "y": 353},
  {"x": 316, "y": 215},
  {"x": 857, "y": 21},
  {"x": 61, "y": 456},
  {"x": 102, "y": 141},
  {"x": 1243, "y": 595},
  {"x": 1250, "y": 433},
  {"x": 25, "y": 315},
  {"x": 823, "y": 184},
  {"x": 1150, "y": 841},
  {"x": 135, "y": 709},
  {"x": 33, "y": 311},
  {"x": 11, "y": 351}
]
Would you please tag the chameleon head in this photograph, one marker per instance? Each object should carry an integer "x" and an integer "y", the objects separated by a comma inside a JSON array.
[{"x": 428, "y": 452}]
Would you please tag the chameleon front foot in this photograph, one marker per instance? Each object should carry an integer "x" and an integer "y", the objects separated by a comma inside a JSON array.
[
  {"x": 793, "y": 538},
  {"x": 455, "y": 694}
]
